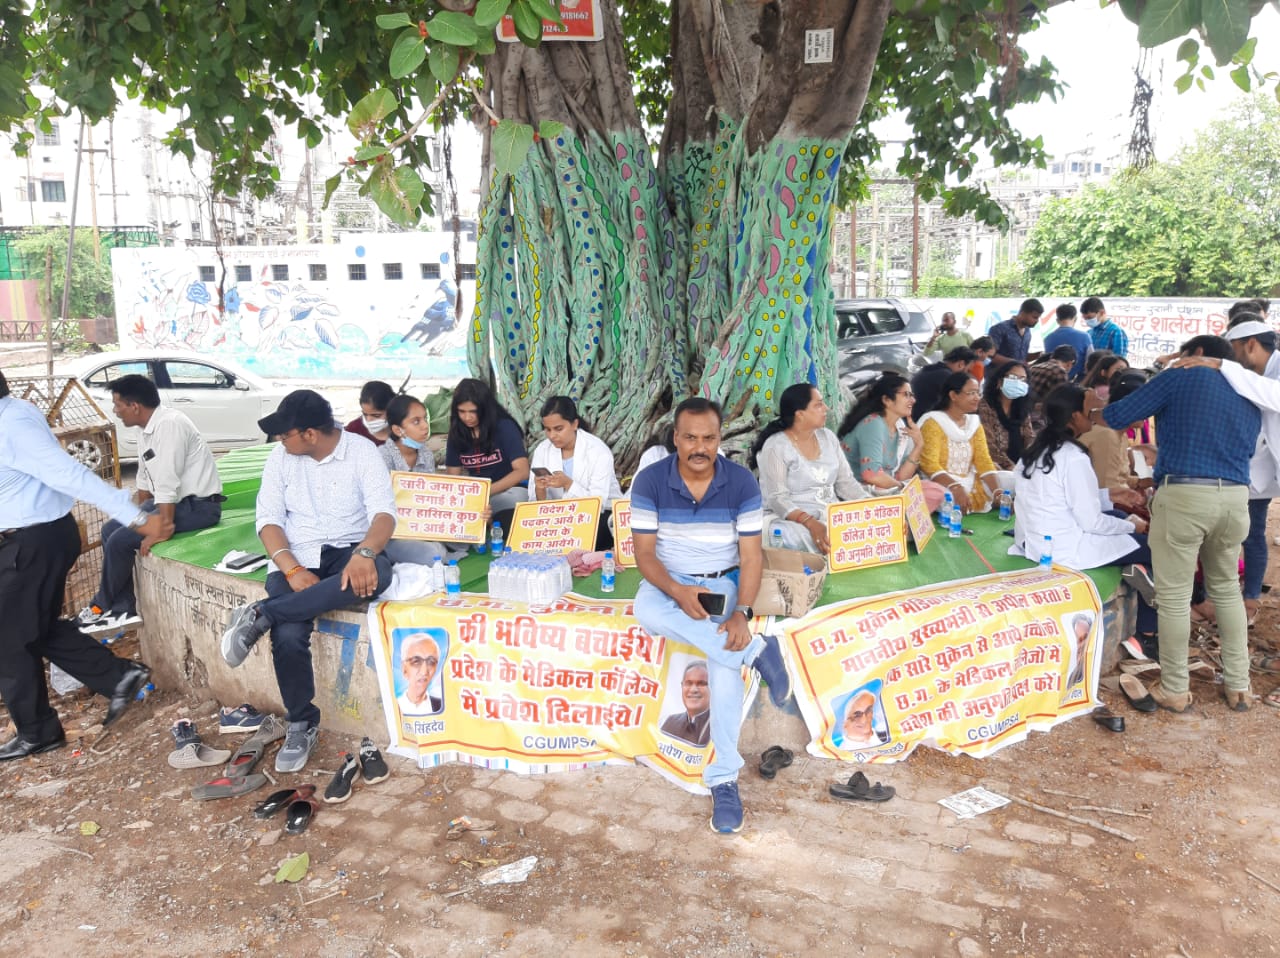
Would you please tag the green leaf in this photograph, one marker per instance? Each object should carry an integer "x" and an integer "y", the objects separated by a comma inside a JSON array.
[
  {"x": 1164, "y": 20},
  {"x": 1240, "y": 76},
  {"x": 1188, "y": 49},
  {"x": 1245, "y": 53},
  {"x": 1227, "y": 24},
  {"x": 139, "y": 22},
  {"x": 393, "y": 21},
  {"x": 450, "y": 27},
  {"x": 370, "y": 151},
  {"x": 372, "y": 108},
  {"x": 486, "y": 43},
  {"x": 398, "y": 192},
  {"x": 443, "y": 62},
  {"x": 294, "y": 869},
  {"x": 1183, "y": 83},
  {"x": 408, "y": 53},
  {"x": 528, "y": 25},
  {"x": 89, "y": 828},
  {"x": 510, "y": 145},
  {"x": 550, "y": 129},
  {"x": 489, "y": 12},
  {"x": 546, "y": 11},
  {"x": 331, "y": 184}
]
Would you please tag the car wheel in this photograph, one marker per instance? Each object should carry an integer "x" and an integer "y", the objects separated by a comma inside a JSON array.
[{"x": 86, "y": 452}]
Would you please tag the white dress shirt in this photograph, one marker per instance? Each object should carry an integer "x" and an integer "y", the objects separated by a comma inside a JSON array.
[
  {"x": 329, "y": 502},
  {"x": 593, "y": 473},
  {"x": 173, "y": 459},
  {"x": 1264, "y": 392}
]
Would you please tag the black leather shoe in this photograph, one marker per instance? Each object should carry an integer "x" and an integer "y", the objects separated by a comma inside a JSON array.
[
  {"x": 19, "y": 747},
  {"x": 135, "y": 677},
  {"x": 1109, "y": 721}
]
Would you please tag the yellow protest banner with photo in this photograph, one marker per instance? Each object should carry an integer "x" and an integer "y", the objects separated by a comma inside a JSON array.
[
  {"x": 472, "y": 679},
  {"x": 866, "y": 533},
  {"x": 555, "y": 525},
  {"x": 919, "y": 519},
  {"x": 966, "y": 667},
  {"x": 440, "y": 508},
  {"x": 624, "y": 547}
]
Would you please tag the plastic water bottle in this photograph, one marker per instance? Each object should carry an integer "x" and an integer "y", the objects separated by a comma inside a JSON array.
[
  {"x": 495, "y": 540},
  {"x": 948, "y": 506},
  {"x": 608, "y": 572},
  {"x": 775, "y": 537},
  {"x": 1046, "y": 553},
  {"x": 145, "y": 691},
  {"x": 452, "y": 578},
  {"x": 437, "y": 575},
  {"x": 956, "y": 531},
  {"x": 1006, "y": 505}
]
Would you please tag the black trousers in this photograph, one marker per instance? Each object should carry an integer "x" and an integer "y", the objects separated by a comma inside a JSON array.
[{"x": 34, "y": 563}]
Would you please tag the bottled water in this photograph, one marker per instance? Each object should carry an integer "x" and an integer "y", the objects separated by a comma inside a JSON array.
[
  {"x": 607, "y": 573},
  {"x": 775, "y": 537},
  {"x": 452, "y": 578},
  {"x": 533, "y": 578},
  {"x": 1046, "y": 553},
  {"x": 1006, "y": 505},
  {"x": 956, "y": 530},
  {"x": 495, "y": 540},
  {"x": 944, "y": 513},
  {"x": 437, "y": 575}
]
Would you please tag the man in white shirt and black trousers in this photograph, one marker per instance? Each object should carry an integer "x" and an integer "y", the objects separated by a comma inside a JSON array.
[
  {"x": 325, "y": 513},
  {"x": 39, "y": 543}
]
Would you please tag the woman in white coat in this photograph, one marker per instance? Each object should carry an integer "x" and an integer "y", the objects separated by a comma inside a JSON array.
[{"x": 570, "y": 463}]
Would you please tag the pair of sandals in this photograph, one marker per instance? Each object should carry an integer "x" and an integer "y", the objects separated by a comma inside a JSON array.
[
  {"x": 239, "y": 778},
  {"x": 299, "y": 804},
  {"x": 857, "y": 789}
]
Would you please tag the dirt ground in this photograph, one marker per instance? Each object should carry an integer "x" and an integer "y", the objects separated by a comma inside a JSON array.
[{"x": 626, "y": 864}]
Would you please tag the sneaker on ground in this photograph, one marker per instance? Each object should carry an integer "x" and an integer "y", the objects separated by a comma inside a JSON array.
[
  {"x": 1138, "y": 577},
  {"x": 245, "y": 629},
  {"x": 339, "y": 790},
  {"x": 726, "y": 808},
  {"x": 90, "y": 613},
  {"x": 242, "y": 718},
  {"x": 111, "y": 621},
  {"x": 184, "y": 734},
  {"x": 371, "y": 762},
  {"x": 773, "y": 670},
  {"x": 299, "y": 741}
]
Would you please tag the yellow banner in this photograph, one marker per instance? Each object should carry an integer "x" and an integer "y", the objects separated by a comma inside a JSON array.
[
  {"x": 439, "y": 507},
  {"x": 624, "y": 547},
  {"x": 555, "y": 525},
  {"x": 472, "y": 679},
  {"x": 867, "y": 533},
  {"x": 967, "y": 667},
  {"x": 919, "y": 519}
]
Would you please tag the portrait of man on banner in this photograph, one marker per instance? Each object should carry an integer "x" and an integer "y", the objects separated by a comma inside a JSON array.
[
  {"x": 860, "y": 722},
  {"x": 1077, "y": 627},
  {"x": 417, "y": 665},
  {"x": 691, "y": 722}
]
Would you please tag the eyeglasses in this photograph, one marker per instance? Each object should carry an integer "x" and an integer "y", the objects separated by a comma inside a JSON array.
[
  {"x": 284, "y": 436},
  {"x": 970, "y": 392},
  {"x": 859, "y": 713},
  {"x": 418, "y": 661}
]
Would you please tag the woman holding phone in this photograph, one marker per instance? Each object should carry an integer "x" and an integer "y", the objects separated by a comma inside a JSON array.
[{"x": 571, "y": 463}]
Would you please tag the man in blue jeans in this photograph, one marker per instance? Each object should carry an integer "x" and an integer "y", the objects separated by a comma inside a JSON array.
[
  {"x": 696, "y": 520},
  {"x": 325, "y": 513}
]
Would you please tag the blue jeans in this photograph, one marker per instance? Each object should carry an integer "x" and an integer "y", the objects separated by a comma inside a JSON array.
[
  {"x": 120, "y": 544},
  {"x": 661, "y": 615},
  {"x": 1255, "y": 548},
  {"x": 292, "y": 618}
]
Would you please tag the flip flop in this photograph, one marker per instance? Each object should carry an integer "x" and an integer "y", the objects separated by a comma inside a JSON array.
[
  {"x": 300, "y": 814},
  {"x": 1272, "y": 698},
  {"x": 1135, "y": 667},
  {"x": 859, "y": 789},
  {"x": 197, "y": 755},
  {"x": 282, "y": 799},
  {"x": 252, "y": 749},
  {"x": 1268, "y": 662},
  {"x": 228, "y": 787},
  {"x": 1137, "y": 694},
  {"x": 773, "y": 758}
]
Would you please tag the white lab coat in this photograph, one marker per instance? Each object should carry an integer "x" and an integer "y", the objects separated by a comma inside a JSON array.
[
  {"x": 1264, "y": 392},
  {"x": 593, "y": 473},
  {"x": 1066, "y": 503}
]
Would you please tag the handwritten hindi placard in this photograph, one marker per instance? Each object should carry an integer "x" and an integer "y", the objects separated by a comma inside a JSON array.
[
  {"x": 867, "y": 533},
  {"x": 919, "y": 521},
  {"x": 555, "y": 525},
  {"x": 624, "y": 547},
  {"x": 440, "y": 508}
]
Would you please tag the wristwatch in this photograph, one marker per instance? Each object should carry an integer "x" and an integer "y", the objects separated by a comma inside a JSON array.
[
  {"x": 366, "y": 553},
  {"x": 746, "y": 610}
]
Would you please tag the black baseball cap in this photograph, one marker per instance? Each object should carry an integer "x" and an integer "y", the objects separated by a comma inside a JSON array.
[{"x": 301, "y": 409}]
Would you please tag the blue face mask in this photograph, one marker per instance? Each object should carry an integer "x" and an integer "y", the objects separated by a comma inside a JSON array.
[
  {"x": 1091, "y": 321},
  {"x": 412, "y": 443},
  {"x": 986, "y": 361},
  {"x": 1014, "y": 388}
]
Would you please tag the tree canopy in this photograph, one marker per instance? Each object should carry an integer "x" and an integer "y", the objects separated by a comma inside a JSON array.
[{"x": 1206, "y": 223}]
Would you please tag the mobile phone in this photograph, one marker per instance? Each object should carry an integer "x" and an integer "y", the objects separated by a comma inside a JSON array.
[
  {"x": 244, "y": 561},
  {"x": 541, "y": 472},
  {"x": 713, "y": 602}
]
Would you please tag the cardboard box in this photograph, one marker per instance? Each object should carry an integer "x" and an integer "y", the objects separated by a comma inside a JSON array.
[{"x": 785, "y": 588}]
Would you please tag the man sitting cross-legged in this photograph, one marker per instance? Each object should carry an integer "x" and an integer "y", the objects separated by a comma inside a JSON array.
[{"x": 325, "y": 512}]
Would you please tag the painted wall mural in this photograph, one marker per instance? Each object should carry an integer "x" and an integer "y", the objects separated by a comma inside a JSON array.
[{"x": 373, "y": 306}]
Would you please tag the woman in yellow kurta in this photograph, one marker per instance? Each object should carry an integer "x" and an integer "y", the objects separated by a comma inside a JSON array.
[{"x": 955, "y": 447}]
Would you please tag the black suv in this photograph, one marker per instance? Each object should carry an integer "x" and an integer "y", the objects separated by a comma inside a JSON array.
[{"x": 878, "y": 335}]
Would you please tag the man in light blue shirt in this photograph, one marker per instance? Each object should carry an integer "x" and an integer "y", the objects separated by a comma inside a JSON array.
[{"x": 39, "y": 543}]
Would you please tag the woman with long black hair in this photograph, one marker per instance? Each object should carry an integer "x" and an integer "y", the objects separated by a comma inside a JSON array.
[
  {"x": 571, "y": 463},
  {"x": 485, "y": 441},
  {"x": 882, "y": 442}
]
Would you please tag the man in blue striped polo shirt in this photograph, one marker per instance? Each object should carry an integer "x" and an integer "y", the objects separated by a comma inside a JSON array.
[{"x": 696, "y": 520}]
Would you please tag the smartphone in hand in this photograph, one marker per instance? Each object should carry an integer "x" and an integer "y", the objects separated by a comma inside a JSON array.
[
  {"x": 713, "y": 602},
  {"x": 541, "y": 472}
]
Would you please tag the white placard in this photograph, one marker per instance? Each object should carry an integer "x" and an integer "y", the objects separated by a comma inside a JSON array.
[{"x": 819, "y": 45}]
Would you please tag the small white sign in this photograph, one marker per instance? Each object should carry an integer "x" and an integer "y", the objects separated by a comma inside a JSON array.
[
  {"x": 819, "y": 45},
  {"x": 975, "y": 801}
]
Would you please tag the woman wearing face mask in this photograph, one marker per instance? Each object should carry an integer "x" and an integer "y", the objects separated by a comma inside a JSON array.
[
  {"x": 571, "y": 463},
  {"x": 406, "y": 451},
  {"x": 1004, "y": 413},
  {"x": 375, "y": 396}
]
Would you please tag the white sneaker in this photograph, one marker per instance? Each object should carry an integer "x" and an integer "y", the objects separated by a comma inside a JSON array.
[
  {"x": 89, "y": 614},
  {"x": 111, "y": 622}
]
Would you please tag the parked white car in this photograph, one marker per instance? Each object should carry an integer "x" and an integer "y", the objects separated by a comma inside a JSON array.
[{"x": 222, "y": 399}]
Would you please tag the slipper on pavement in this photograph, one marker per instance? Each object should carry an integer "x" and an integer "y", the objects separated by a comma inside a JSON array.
[
  {"x": 300, "y": 814},
  {"x": 198, "y": 755},
  {"x": 1268, "y": 662},
  {"x": 1137, "y": 694},
  {"x": 252, "y": 749},
  {"x": 859, "y": 789},
  {"x": 1272, "y": 698},
  {"x": 1135, "y": 667},
  {"x": 773, "y": 758},
  {"x": 282, "y": 799},
  {"x": 228, "y": 787}
]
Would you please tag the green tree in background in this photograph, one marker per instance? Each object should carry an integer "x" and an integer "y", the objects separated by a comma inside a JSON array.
[
  {"x": 91, "y": 291},
  {"x": 1207, "y": 223}
]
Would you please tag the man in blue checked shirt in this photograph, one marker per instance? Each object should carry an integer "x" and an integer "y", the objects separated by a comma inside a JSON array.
[
  {"x": 1200, "y": 511},
  {"x": 696, "y": 520},
  {"x": 1102, "y": 331},
  {"x": 39, "y": 543}
]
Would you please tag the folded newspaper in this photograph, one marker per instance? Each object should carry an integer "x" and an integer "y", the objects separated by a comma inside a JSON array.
[{"x": 975, "y": 801}]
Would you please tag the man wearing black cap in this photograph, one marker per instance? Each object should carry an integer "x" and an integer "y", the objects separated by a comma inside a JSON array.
[{"x": 325, "y": 513}]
